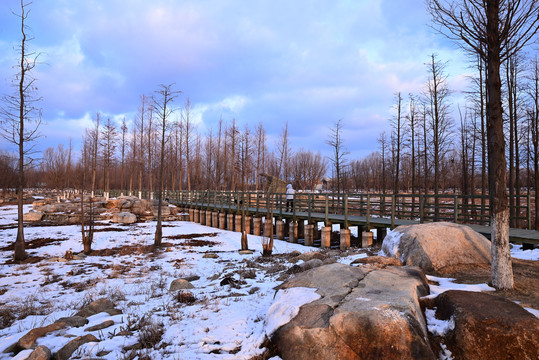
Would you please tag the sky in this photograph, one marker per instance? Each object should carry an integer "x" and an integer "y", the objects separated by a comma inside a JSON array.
[{"x": 305, "y": 62}]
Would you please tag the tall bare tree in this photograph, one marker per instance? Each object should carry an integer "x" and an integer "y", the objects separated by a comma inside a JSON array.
[
  {"x": 494, "y": 29},
  {"x": 162, "y": 105},
  {"x": 20, "y": 118},
  {"x": 109, "y": 137},
  {"x": 123, "y": 128},
  {"x": 338, "y": 157}
]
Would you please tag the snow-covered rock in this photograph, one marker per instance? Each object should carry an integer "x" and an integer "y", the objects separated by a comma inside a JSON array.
[{"x": 437, "y": 246}]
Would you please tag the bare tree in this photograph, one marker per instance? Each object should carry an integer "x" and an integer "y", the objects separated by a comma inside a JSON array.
[
  {"x": 93, "y": 134},
  {"x": 338, "y": 158},
  {"x": 123, "y": 128},
  {"x": 397, "y": 139},
  {"x": 108, "y": 144},
  {"x": 20, "y": 118},
  {"x": 285, "y": 152},
  {"x": 188, "y": 127},
  {"x": 436, "y": 95},
  {"x": 162, "y": 101},
  {"x": 495, "y": 30}
]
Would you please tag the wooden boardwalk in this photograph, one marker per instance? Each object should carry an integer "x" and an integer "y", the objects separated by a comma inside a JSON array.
[{"x": 518, "y": 236}]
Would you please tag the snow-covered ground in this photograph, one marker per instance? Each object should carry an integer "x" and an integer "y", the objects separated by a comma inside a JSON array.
[{"x": 235, "y": 305}]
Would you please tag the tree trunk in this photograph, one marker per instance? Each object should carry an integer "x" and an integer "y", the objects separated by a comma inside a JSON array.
[{"x": 502, "y": 272}]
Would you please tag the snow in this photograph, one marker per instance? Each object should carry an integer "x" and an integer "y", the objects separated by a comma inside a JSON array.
[
  {"x": 518, "y": 253},
  {"x": 446, "y": 284},
  {"x": 436, "y": 326},
  {"x": 225, "y": 322},
  {"x": 390, "y": 246},
  {"x": 286, "y": 306}
]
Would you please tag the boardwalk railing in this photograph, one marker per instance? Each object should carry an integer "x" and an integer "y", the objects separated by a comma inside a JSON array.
[
  {"x": 462, "y": 209},
  {"x": 366, "y": 211}
]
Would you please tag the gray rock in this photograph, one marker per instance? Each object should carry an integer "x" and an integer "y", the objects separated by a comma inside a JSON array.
[
  {"x": 33, "y": 216},
  {"x": 74, "y": 321},
  {"x": 65, "y": 352},
  {"x": 40, "y": 353},
  {"x": 437, "y": 246},
  {"x": 28, "y": 341},
  {"x": 105, "y": 324},
  {"x": 180, "y": 284},
  {"x": 96, "y": 307},
  {"x": 362, "y": 314},
  {"x": 124, "y": 218},
  {"x": 311, "y": 264}
]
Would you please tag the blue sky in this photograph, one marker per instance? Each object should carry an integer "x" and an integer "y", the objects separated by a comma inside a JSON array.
[{"x": 308, "y": 62}]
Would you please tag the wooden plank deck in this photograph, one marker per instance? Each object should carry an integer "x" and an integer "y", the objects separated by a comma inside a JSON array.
[{"x": 518, "y": 236}]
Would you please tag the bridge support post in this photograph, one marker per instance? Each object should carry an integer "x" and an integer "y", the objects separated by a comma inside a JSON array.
[
  {"x": 191, "y": 214},
  {"x": 202, "y": 217},
  {"x": 301, "y": 229},
  {"x": 268, "y": 227},
  {"x": 345, "y": 239},
  {"x": 381, "y": 234},
  {"x": 326, "y": 237},
  {"x": 279, "y": 229},
  {"x": 248, "y": 224},
  {"x": 208, "y": 218},
  {"x": 230, "y": 222},
  {"x": 197, "y": 215},
  {"x": 238, "y": 223},
  {"x": 293, "y": 232},
  {"x": 366, "y": 239},
  {"x": 309, "y": 235},
  {"x": 222, "y": 221},
  {"x": 316, "y": 231},
  {"x": 257, "y": 222},
  {"x": 214, "y": 217}
]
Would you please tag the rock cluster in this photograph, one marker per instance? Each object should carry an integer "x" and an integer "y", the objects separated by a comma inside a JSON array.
[
  {"x": 362, "y": 314},
  {"x": 123, "y": 210},
  {"x": 29, "y": 340}
]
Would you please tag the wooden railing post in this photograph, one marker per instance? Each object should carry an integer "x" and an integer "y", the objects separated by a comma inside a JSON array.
[
  {"x": 310, "y": 207},
  {"x": 421, "y": 208},
  {"x": 393, "y": 211},
  {"x": 345, "y": 204},
  {"x": 327, "y": 211},
  {"x": 368, "y": 212},
  {"x": 456, "y": 209},
  {"x": 528, "y": 211}
]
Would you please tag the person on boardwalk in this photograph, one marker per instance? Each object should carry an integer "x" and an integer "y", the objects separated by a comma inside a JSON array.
[{"x": 290, "y": 197}]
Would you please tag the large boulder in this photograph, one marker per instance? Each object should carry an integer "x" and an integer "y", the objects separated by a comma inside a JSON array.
[
  {"x": 124, "y": 218},
  {"x": 487, "y": 327},
  {"x": 361, "y": 314},
  {"x": 438, "y": 247},
  {"x": 32, "y": 216}
]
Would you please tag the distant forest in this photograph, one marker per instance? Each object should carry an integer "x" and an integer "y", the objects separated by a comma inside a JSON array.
[{"x": 434, "y": 146}]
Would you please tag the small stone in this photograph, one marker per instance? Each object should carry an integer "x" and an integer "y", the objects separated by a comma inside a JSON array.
[
  {"x": 28, "y": 341},
  {"x": 210, "y": 256},
  {"x": 180, "y": 284},
  {"x": 95, "y": 307},
  {"x": 245, "y": 252},
  {"x": 192, "y": 278},
  {"x": 65, "y": 352},
  {"x": 74, "y": 321},
  {"x": 103, "y": 325}
]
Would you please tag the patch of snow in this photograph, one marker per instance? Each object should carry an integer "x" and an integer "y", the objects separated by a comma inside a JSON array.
[
  {"x": 518, "y": 253},
  {"x": 445, "y": 284},
  {"x": 349, "y": 259},
  {"x": 390, "y": 245},
  {"x": 445, "y": 353},
  {"x": 363, "y": 299},
  {"x": 437, "y": 326},
  {"x": 286, "y": 306},
  {"x": 533, "y": 311}
]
